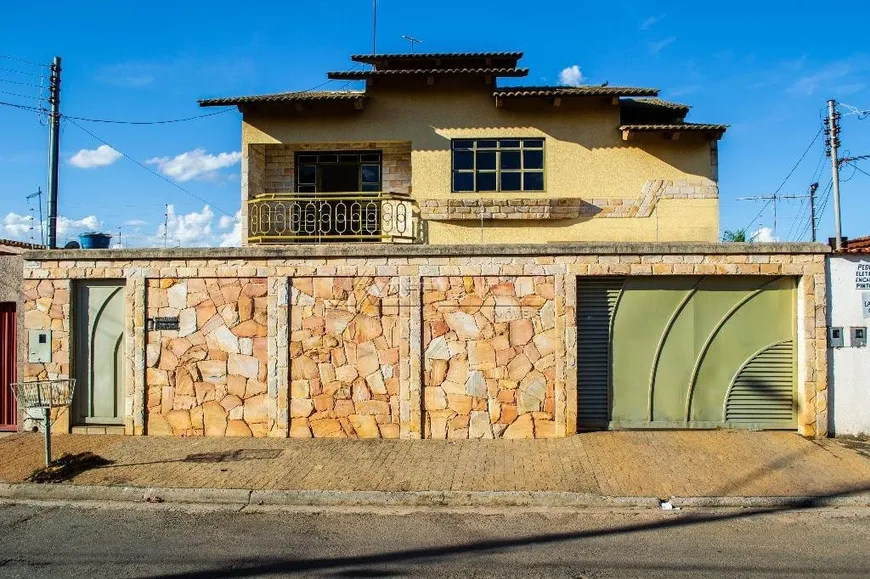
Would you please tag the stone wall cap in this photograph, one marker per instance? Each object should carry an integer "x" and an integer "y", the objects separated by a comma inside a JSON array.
[{"x": 365, "y": 250}]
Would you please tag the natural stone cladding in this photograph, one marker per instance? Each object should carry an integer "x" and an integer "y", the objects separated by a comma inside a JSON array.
[
  {"x": 345, "y": 345},
  {"x": 209, "y": 376},
  {"x": 347, "y": 278},
  {"x": 536, "y": 208},
  {"x": 490, "y": 350}
]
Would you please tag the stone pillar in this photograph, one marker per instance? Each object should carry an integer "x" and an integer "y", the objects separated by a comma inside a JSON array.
[
  {"x": 279, "y": 348},
  {"x": 134, "y": 349},
  {"x": 410, "y": 370}
]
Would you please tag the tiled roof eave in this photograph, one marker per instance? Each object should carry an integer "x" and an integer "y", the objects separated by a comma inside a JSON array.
[
  {"x": 365, "y": 74},
  {"x": 674, "y": 127},
  {"x": 584, "y": 91},
  {"x": 287, "y": 97},
  {"x": 373, "y": 58}
]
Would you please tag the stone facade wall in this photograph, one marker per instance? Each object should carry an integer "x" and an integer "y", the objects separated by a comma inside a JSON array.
[
  {"x": 209, "y": 376},
  {"x": 490, "y": 349},
  {"x": 416, "y": 268},
  {"x": 280, "y": 164},
  {"x": 345, "y": 345},
  {"x": 488, "y": 209}
]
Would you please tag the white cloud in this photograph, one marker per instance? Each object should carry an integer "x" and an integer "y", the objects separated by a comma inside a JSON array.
[
  {"x": 18, "y": 226},
  {"x": 135, "y": 222},
  {"x": 100, "y": 157},
  {"x": 656, "y": 47},
  {"x": 646, "y": 24},
  {"x": 763, "y": 235},
  {"x": 195, "y": 164},
  {"x": 571, "y": 76},
  {"x": 187, "y": 230},
  {"x": 233, "y": 238},
  {"x": 830, "y": 73}
]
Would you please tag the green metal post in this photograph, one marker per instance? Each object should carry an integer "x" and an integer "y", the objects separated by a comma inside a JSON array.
[{"x": 47, "y": 416}]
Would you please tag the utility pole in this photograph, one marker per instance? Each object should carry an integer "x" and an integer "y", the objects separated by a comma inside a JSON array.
[
  {"x": 53, "y": 149},
  {"x": 833, "y": 133},
  {"x": 38, "y": 196},
  {"x": 813, "y": 188}
]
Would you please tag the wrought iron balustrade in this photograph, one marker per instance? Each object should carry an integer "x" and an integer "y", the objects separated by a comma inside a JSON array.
[{"x": 331, "y": 217}]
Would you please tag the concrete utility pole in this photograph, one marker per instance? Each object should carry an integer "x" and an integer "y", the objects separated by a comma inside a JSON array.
[
  {"x": 833, "y": 132},
  {"x": 53, "y": 148},
  {"x": 813, "y": 188}
]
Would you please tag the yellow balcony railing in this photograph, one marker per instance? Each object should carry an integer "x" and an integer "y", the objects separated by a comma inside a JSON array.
[{"x": 332, "y": 217}]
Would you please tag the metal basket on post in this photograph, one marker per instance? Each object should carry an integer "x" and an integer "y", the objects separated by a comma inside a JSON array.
[{"x": 45, "y": 395}]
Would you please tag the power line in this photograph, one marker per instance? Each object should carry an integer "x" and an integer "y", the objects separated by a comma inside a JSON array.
[
  {"x": 163, "y": 122},
  {"x": 16, "y": 71},
  {"x": 17, "y": 106},
  {"x": 21, "y": 96},
  {"x": 17, "y": 59},
  {"x": 149, "y": 169},
  {"x": 859, "y": 169},
  {"x": 20, "y": 83}
]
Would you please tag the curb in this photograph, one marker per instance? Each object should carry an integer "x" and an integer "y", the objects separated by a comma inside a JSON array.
[{"x": 449, "y": 499}]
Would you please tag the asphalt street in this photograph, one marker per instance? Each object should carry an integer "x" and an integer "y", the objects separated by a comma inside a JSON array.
[{"x": 155, "y": 541}]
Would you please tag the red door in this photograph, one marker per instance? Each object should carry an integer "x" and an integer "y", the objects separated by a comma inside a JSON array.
[{"x": 8, "y": 363}]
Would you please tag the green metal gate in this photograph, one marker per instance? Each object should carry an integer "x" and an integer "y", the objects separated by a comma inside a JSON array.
[{"x": 686, "y": 352}]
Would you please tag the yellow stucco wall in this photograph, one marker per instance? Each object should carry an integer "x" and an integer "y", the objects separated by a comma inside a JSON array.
[{"x": 585, "y": 157}]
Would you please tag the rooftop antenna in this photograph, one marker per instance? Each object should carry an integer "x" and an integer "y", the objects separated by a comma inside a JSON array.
[
  {"x": 412, "y": 40},
  {"x": 38, "y": 194}
]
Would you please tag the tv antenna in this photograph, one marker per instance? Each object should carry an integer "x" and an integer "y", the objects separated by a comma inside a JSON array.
[
  {"x": 38, "y": 194},
  {"x": 412, "y": 40}
]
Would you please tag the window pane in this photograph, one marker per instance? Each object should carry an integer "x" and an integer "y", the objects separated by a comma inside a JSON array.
[
  {"x": 510, "y": 159},
  {"x": 463, "y": 181},
  {"x": 307, "y": 159},
  {"x": 463, "y": 144},
  {"x": 510, "y": 181},
  {"x": 307, "y": 174},
  {"x": 486, "y": 160},
  {"x": 533, "y": 143},
  {"x": 533, "y": 181},
  {"x": 371, "y": 186},
  {"x": 370, "y": 157},
  {"x": 371, "y": 174},
  {"x": 489, "y": 144},
  {"x": 348, "y": 158},
  {"x": 327, "y": 158},
  {"x": 486, "y": 182},
  {"x": 533, "y": 159},
  {"x": 509, "y": 144},
  {"x": 305, "y": 189},
  {"x": 463, "y": 159}
]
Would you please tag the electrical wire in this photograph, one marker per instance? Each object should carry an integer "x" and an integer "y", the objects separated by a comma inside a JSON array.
[
  {"x": 16, "y": 71},
  {"x": 20, "y": 83},
  {"x": 21, "y": 96},
  {"x": 163, "y": 122},
  {"x": 149, "y": 169},
  {"x": 17, "y": 59},
  {"x": 17, "y": 106},
  {"x": 859, "y": 169}
]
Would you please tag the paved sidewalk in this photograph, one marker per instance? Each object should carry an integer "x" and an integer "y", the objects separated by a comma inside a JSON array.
[{"x": 618, "y": 464}]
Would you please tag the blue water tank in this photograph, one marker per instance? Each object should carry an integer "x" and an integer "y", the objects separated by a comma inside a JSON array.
[{"x": 94, "y": 240}]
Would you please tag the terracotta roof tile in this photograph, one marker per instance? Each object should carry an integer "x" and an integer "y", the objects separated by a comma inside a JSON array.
[
  {"x": 655, "y": 102},
  {"x": 674, "y": 127},
  {"x": 286, "y": 97},
  {"x": 374, "y": 58},
  {"x": 567, "y": 91},
  {"x": 14, "y": 243},
  {"x": 857, "y": 245},
  {"x": 363, "y": 74}
]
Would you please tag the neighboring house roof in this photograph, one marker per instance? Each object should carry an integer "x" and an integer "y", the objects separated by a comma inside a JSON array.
[
  {"x": 673, "y": 127},
  {"x": 569, "y": 91},
  {"x": 857, "y": 245},
  {"x": 375, "y": 58},
  {"x": 364, "y": 74},
  {"x": 14, "y": 247},
  {"x": 656, "y": 102},
  {"x": 286, "y": 97},
  {"x": 651, "y": 111}
]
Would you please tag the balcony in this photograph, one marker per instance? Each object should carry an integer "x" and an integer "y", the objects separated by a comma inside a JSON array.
[{"x": 379, "y": 217}]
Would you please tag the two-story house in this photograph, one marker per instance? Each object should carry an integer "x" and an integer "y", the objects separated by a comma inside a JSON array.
[
  {"x": 438, "y": 256},
  {"x": 433, "y": 150}
]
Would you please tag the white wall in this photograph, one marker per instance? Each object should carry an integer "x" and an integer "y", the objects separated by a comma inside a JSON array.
[{"x": 850, "y": 367}]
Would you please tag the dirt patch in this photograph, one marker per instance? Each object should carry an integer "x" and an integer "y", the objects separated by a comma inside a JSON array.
[
  {"x": 67, "y": 467},
  {"x": 860, "y": 444}
]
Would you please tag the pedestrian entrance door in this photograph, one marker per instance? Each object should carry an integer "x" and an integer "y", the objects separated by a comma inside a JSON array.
[
  {"x": 99, "y": 352},
  {"x": 8, "y": 360}
]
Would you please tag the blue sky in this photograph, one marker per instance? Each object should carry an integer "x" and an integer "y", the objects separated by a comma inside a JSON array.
[{"x": 765, "y": 68}]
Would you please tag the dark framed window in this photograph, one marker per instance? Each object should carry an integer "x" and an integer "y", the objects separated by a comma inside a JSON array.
[
  {"x": 485, "y": 165},
  {"x": 338, "y": 171}
]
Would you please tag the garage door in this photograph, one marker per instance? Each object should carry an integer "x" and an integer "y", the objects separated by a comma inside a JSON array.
[{"x": 686, "y": 352}]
